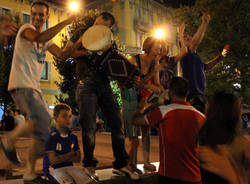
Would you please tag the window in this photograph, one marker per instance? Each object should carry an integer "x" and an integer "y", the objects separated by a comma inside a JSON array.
[
  {"x": 150, "y": 18},
  {"x": 45, "y": 72},
  {"x": 26, "y": 18},
  {"x": 139, "y": 40},
  {"x": 138, "y": 12},
  {"x": 5, "y": 11}
]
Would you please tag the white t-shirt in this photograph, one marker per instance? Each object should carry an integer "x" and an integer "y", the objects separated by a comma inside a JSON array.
[{"x": 27, "y": 62}]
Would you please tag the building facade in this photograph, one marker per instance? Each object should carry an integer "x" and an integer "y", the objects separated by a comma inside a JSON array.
[{"x": 136, "y": 19}]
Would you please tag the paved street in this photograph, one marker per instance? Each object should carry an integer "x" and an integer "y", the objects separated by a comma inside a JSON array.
[{"x": 103, "y": 153}]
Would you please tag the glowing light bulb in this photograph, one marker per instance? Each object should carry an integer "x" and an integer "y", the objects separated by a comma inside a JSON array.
[
  {"x": 73, "y": 6},
  {"x": 159, "y": 34}
]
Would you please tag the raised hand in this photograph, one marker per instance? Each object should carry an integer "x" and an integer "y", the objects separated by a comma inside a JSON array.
[
  {"x": 182, "y": 28},
  {"x": 8, "y": 28},
  {"x": 225, "y": 50},
  {"x": 206, "y": 18}
]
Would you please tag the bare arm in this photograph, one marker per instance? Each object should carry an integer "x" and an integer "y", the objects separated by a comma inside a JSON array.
[
  {"x": 34, "y": 35},
  {"x": 65, "y": 53},
  {"x": 156, "y": 87},
  {"x": 157, "y": 73},
  {"x": 197, "y": 38},
  {"x": 75, "y": 53},
  {"x": 210, "y": 64},
  {"x": 183, "y": 51},
  {"x": 72, "y": 156},
  {"x": 138, "y": 118}
]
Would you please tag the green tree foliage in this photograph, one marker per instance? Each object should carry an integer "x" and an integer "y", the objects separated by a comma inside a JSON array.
[
  {"x": 230, "y": 23},
  {"x": 66, "y": 69},
  {"x": 6, "y": 54}
]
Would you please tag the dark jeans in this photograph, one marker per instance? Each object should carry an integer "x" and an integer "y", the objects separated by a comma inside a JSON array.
[
  {"x": 166, "y": 180},
  {"x": 89, "y": 97}
]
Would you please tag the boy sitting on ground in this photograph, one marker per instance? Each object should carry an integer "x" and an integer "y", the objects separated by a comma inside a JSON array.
[{"x": 62, "y": 150}]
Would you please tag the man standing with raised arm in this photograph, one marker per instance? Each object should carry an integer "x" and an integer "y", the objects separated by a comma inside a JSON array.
[
  {"x": 24, "y": 85},
  {"x": 193, "y": 68}
]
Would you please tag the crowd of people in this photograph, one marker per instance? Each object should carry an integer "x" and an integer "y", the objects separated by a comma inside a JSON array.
[
  {"x": 11, "y": 119},
  {"x": 199, "y": 142}
]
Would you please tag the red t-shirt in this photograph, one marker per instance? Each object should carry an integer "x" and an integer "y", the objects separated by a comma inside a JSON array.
[{"x": 179, "y": 124}]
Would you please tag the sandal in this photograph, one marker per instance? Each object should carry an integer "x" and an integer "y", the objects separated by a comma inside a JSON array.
[
  {"x": 149, "y": 167},
  {"x": 138, "y": 171}
]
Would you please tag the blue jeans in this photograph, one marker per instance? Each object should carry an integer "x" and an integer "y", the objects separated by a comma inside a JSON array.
[{"x": 89, "y": 97}]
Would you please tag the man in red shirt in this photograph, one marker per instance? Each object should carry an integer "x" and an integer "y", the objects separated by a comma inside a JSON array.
[{"x": 178, "y": 124}]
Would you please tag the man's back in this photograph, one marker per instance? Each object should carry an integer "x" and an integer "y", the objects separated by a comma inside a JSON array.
[{"x": 179, "y": 124}]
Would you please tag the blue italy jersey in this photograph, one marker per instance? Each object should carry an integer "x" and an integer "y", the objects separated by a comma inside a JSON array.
[{"x": 60, "y": 145}]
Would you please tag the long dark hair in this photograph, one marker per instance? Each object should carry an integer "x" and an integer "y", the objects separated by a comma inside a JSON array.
[{"x": 222, "y": 123}]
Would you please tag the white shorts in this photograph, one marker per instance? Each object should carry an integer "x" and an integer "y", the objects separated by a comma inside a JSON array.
[{"x": 71, "y": 174}]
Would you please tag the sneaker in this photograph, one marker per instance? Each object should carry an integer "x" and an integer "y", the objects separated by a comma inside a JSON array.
[
  {"x": 10, "y": 153},
  {"x": 128, "y": 172},
  {"x": 91, "y": 172},
  {"x": 149, "y": 167},
  {"x": 37, "y": 180}
]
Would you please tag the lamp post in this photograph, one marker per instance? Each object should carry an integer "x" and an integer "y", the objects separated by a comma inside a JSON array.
[
  {"x": 159, "y": 34},
  {"x": 73, "y": 6}
]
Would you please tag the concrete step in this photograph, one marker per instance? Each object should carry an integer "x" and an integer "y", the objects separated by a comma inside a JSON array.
[{"x": 107, "y": 177}]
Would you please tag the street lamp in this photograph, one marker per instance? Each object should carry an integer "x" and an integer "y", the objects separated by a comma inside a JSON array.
[
  {"x": 73, "y": 6},
  {"x": 159, "y": 34}
]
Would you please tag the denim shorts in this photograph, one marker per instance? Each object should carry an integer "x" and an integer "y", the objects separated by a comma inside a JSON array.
[
  {"x": 130, "y": 105},
  {"x": 32, "y": 104}
]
